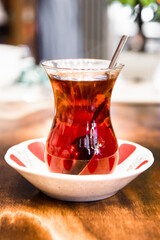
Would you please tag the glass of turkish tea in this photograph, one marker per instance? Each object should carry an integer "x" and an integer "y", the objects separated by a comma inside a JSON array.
[{"x": 81, "y": 140}]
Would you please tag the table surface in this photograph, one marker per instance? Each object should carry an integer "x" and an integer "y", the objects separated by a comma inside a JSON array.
[{"x": 133, "y": 213}]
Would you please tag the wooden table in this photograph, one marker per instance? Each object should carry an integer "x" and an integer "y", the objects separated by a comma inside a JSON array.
[{"x": 133, "y": 213}]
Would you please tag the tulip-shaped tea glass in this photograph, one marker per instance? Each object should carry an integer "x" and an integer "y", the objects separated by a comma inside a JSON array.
[{"x": 81, "y": 140}]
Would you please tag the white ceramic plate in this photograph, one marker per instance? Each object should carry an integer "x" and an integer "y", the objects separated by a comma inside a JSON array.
[{"x": 27, "y": 158}]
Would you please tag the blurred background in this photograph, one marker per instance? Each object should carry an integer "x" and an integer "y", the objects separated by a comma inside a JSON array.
[{"x": 35, "y": 30}]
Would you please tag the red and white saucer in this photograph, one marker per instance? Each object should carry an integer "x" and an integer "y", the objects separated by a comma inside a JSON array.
[{"x": 28, "y": 159}]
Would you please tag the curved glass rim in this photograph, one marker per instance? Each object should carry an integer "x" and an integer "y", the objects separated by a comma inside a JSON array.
[{"x": 46, "y": 64}]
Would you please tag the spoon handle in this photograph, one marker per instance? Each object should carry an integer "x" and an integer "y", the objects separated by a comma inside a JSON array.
[
  {"x": 98, "y": 110},
  {"x": 118, "y": 51}
]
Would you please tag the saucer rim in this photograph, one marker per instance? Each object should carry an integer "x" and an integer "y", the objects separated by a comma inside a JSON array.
[{"x": 93, "y": 177}]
